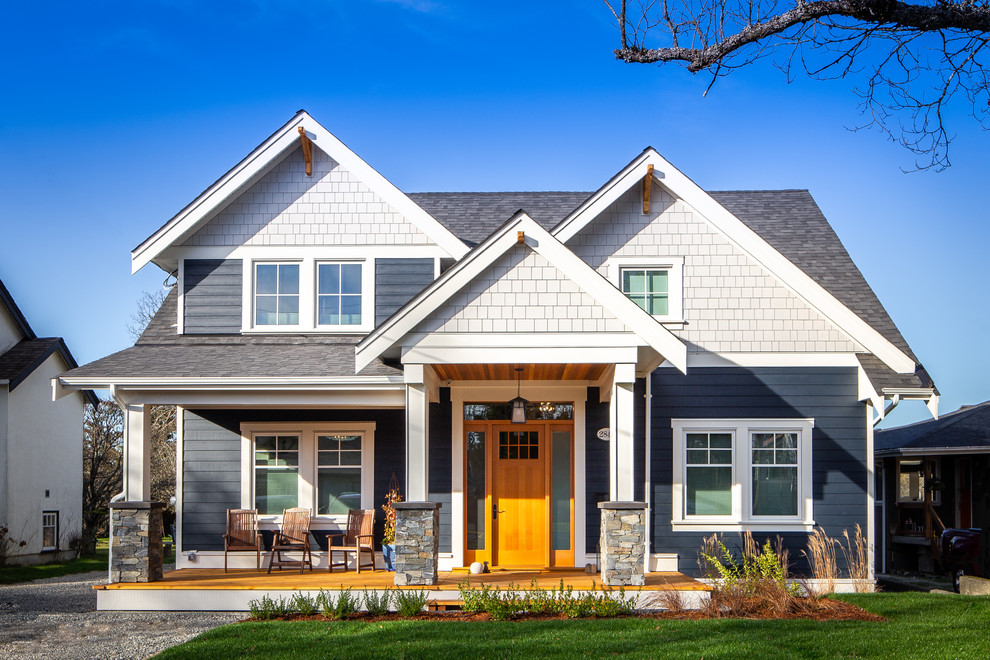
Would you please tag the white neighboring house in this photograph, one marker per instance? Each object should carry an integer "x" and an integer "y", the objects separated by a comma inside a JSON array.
[{"x": 40, "y": 442}]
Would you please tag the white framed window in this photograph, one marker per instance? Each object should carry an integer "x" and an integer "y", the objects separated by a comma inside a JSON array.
[
  {"x": 327, "y": 467},
  {"x": 276, "y": 294},
  {"x": 731, "y": 475},
  {"x": 339, "y": 293},
  {"x": 653, "y": 283},
  {"x": 49, "y": 531}
]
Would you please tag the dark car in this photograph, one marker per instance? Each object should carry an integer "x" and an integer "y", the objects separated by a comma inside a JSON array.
[{"x": 961, "y": 552}]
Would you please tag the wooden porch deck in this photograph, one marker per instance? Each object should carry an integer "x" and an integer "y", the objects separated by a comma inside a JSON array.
[{"x": 216, "y": 579}]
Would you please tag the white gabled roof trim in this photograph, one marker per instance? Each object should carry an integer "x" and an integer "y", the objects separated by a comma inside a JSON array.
[
  {"x": 130, "y": 382},
  {"x": 747, "y": 240},
  {"x": 542, "y": 242},
  {"x": 260, "y": 161}
]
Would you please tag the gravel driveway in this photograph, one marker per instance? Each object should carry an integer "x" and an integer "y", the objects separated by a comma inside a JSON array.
[{"x": 57, "y": 618}]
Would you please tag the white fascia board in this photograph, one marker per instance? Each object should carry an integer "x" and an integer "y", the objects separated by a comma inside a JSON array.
[
  {"x": 604, "y": 197},
  {"x": 496, "y": 340},
  {"x": 262, "y": 160},
  {"x": 747, "y": 240},
  {"x": 936, "y": 451},
  {"x": 368, "y": 382},
  {"x": 541, "y": 241},
  {"x": 519, "y": 354}
]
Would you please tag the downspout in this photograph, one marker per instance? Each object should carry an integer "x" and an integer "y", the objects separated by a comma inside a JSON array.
[
  {"x": 646, "y": 487},
  {"x": 116, "y": 498}
]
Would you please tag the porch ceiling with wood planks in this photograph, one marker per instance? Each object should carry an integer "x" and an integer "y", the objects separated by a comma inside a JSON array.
[
  {"x": 548, "y": 372},
  {"x": 215, "y": 578}
]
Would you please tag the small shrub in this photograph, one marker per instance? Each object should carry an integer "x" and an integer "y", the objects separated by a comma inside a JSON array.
[
  {"x": 305, "y": 604},
  {"x": 409, "y": 603},
  {"x": 345, "y": 605},
  {"x": 378, "y": 602},
  {"x": 671, "y": 601},
  {"x": 269, "y": 608},
  {"x": 756, "y": 582}
]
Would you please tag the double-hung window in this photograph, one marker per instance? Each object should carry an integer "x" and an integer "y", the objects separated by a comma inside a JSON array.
[
  {"x": 276, "y": 480},
  {"x": 738, "y": 474},
  {"x": 338, "y": 473},
  {"x": 338, "y": 294},
  {"x": 276, "y": 294},
  {"x": 49, "y": 531}
]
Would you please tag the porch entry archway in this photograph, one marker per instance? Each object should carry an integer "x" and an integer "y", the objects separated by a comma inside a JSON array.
[{"x": 519, "y": 486}]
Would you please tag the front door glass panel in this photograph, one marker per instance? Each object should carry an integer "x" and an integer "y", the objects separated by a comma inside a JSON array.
[
  {"x": 475, "y": 490},
  {"x": 560, "y": 475}
]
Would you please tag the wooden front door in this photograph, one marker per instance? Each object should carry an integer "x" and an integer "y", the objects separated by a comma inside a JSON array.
[{"x": 519, "y": 495}]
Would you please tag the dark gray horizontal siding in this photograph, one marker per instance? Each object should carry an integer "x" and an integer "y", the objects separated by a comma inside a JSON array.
[
  {"x": 595, "y": 467},
  {"x": 397, "y": 281},
  {"x": 441, "y": 461},
  {"x": 212, "y": 463},
  {"x": 212, "y": 296},
  {"x": 828, "y": 395},
  {"x": 211, "y": 481}
]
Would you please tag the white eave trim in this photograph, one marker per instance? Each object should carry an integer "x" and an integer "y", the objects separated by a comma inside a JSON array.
[
  {"x": 260, "y": 161},
  {"x": 746, "y": 240},
  {"x": 933, "y": 451},
  {"x": 539, "y": 240},
  {"x": 337, "y": 383}
]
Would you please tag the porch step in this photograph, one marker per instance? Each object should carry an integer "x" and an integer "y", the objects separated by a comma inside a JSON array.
[{"x": 444, "y": 605}]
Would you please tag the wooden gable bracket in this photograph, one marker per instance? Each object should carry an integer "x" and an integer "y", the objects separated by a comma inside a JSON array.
[
  {"x": 307, "y": 147},
  {"x": 647, "y": 189},
  {"x": 520, "y": 237}
]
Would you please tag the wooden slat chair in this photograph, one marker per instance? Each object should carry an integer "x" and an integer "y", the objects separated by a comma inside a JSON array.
[
  {"x": 242, "y": 534},
  {"x": 357, "y": 539},
  {"x": 293, "y": 536}
]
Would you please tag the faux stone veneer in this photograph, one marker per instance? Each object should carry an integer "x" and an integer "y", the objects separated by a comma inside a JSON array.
[
  {"x": 623, "y": 543},
  {"x": 417, "y": 542},
  {"x": 136, "y": 555}
]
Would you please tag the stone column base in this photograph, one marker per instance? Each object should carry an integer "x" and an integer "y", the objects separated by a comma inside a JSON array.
[
  {"x": 623, "y": 543},
  {"x": 136, "y": 553},
  {"x": 417, "y": 542}
]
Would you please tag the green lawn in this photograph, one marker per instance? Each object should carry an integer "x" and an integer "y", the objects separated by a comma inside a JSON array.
[
  {"x": 920, "y": 626},
  {"x": 96, "y": 562}
]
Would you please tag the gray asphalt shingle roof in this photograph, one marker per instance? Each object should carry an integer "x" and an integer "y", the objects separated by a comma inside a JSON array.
[
  {"x": 789, "y": 220},
  {"x": 967, "y": 427}
]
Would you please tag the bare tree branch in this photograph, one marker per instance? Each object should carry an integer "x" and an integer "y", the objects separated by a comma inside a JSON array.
[{"x": 916, "y": 58}]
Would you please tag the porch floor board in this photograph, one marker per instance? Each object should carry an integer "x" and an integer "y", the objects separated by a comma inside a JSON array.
[{"x": 209, "y": 578}]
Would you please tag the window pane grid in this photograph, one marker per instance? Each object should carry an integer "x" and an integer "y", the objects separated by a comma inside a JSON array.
[
  {"x": 518, "y": 444},
  {"x": 775, "y": 474},
  {"x": 708, "y": 474},
  {"x": 339, "y": 294},
  {"x": 648, "y": 288},
  {"x": 276, "y": 459},
  {"x": 277, "y": 294}
]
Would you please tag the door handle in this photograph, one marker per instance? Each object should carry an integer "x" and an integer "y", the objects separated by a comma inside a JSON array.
[{"x": 495, "y": 511}]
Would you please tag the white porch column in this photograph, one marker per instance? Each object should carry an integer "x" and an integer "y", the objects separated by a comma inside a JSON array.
[
  {"x": 137, "y": 453},
  {"x": 417, "y": 433},
  {"x": 621, "y": 456}
]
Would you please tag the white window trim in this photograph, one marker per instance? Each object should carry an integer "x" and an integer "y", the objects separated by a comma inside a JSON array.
[
  {"x": 742, "y": 517},
  {"x": 308, "y": 296},
  {"x": 675, "y": 280},
  {"x": 367, "y": 296},
  {"x": 307, "y": 433}
]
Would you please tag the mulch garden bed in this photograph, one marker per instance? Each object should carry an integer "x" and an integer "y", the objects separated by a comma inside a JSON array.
[{"x": 816, "y": 610}]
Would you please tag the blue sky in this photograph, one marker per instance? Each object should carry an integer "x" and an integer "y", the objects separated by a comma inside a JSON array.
[{"x": 115, "y": 115}]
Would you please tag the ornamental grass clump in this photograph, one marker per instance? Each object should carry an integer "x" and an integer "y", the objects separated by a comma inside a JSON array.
[
  {"x": 821, "y": 558},
  {"x": 857, "y": 556}
]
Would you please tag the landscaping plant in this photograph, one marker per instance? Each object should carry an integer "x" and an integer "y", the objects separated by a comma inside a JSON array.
[
  {"x": 377, "y": 602},
  {"x": 409, "y": 603}
]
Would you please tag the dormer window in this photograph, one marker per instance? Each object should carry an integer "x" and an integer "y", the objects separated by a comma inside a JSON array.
[
  {"x": 276, "y": 300},
  {"x": 339, "y": 294}
]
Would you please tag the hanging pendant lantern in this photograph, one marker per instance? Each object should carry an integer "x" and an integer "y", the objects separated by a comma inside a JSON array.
[{"x": 518, "y": 404}]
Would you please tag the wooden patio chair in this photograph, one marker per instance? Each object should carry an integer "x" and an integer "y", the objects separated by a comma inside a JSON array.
[
  {"x": 357, "y": 539},
  {"x": 293, "y": 536},
  {"x": 242, "y": 534}
]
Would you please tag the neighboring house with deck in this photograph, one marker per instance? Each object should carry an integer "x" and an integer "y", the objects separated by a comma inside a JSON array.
[
  {"x": 41, "y": 442},
  {"x": 931, "y": 475},
  {"x": 716, "y": 355}
]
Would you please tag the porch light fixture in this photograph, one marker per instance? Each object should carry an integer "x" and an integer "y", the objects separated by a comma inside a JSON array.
[{"x": 519, "y": 403}]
